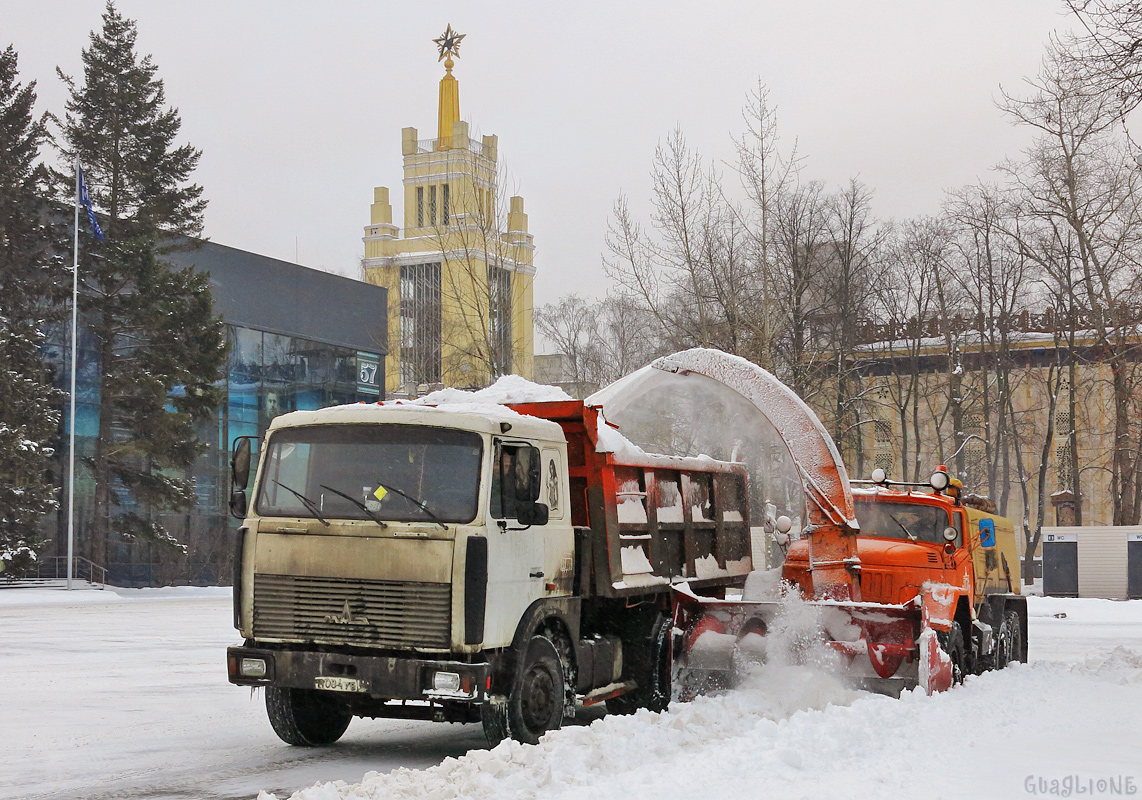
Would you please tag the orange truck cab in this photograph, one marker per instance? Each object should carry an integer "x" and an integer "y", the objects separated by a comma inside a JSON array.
[{"x": 917, "y": 541}]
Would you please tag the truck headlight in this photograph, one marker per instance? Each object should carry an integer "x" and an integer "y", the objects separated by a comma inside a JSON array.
[
  {"x": 446, "y": 681},
  {"x": 253, "y": 668}
]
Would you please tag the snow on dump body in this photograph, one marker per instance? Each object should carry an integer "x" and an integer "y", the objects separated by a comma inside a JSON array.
[{"x": 507, "y": 389}]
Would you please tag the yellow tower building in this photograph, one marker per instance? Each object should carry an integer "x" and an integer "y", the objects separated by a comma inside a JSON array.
[{"x": 460, "y": 272}]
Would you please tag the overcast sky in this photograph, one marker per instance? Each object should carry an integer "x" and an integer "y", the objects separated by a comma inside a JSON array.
[{"x": 298, "y": 106}]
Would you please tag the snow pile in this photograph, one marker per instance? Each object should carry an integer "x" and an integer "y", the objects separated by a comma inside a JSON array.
[
  {"x": 508, "y": 389},
  {"x": 589, "y": 761},
  {"x": 796, "y": 732}
]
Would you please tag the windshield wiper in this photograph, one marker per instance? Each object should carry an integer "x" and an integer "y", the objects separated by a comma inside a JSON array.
[
  {"x": 906, "y": 531},
  {"x": 372, "y": 514},
  {"x": 309, "y": 504},
  {"x": 423, "y": 506}
]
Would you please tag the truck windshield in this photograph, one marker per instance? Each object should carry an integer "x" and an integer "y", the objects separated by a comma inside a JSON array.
[
  {"x": 437, "y": 468},
  {"x": 889, "y": 520}
]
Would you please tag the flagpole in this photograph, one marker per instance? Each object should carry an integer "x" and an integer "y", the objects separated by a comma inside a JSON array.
[{"x": 74, "y": 338}]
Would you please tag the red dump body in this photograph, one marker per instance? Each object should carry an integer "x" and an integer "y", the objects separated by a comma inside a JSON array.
[{"x": 648, "y": 520}]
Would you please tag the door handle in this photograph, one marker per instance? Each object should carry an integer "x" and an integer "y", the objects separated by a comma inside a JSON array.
[{"x": 536, "y": 574}]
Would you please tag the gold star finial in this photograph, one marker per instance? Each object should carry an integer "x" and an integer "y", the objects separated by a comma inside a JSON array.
[{"x": 449, "y": 43}]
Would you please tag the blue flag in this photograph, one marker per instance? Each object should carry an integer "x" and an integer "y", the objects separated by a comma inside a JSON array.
[{"x": 85, "y": 201}]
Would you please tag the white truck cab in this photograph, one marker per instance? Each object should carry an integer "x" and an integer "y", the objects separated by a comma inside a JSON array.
[{"x": 400, "y": 560}]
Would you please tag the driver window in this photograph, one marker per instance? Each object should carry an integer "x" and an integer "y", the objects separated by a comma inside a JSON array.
[{"x": 508, "y": 472}]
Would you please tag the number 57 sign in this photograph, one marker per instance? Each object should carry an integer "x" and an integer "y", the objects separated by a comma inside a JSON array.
[{"x": 368, "y": 368}]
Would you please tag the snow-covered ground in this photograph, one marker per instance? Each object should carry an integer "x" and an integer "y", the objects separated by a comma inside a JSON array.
[{"x": 123, "y": 694}]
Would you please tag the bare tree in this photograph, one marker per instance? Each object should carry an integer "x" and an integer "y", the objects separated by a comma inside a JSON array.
[
  {"x": 1078, "y": 175},
  {"x": 914, "y": 258},
  {"x": 852, "y": 276},
  {"x": 572, "y": 327},
  {"x": 996, "y": 280},
  {"x": 767, "y": 175},
  {"x": 694, "y": 269},
  {"x": 1108, "y": 50},
  {"x": 799, "y": 234},
  {"x": 629, "y": 338},
  {"x": 601, "y": 341}
]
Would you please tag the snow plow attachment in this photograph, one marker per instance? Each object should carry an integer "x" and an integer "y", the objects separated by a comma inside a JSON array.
[{"x": 877, "y": 647}]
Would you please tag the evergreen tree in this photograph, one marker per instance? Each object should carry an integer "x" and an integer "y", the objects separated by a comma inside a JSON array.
[
  {"x": 29, "y": 273},
  {"x": 160, "y": 347}
]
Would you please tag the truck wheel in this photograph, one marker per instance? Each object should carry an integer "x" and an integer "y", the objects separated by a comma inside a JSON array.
[
  {"x": 306, "y": 717},
  {"x": 953, "y": 644},
  {"x": 1013, "y": 638},
  {"x": 650, "y": 668},
  {"x": 536, "y": 702}
]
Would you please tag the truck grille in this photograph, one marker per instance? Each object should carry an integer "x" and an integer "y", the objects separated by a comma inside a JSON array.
[{"x": 358, "y": 612}]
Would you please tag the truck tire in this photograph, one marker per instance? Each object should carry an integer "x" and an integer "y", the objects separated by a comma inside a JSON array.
[
  {"x": 1012, "y": 639},
  {"x": 306, "y": 717},
  {"x": 539, "y": 692},
  {"x": 953, "y": 644},
  {"x": 651, "y": 671}
]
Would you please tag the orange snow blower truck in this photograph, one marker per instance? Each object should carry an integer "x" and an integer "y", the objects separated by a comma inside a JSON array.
[
  {"x": 915, "y": 585},
  {"x": 925, "y": 592}
]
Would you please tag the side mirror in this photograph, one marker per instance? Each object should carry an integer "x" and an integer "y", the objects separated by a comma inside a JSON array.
[
  {"x": 239, "y": 477},
  {"x": 238, "y": 505},
  {"x": 532, "y": 514},
  {"x": 240, "y": 463},
  {"x": 949, "y": 534}
]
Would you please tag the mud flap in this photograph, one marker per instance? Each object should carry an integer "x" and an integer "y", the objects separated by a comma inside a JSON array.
[
  {"x": 935, "y": 665},
  {"x": 938, "y": 609}
]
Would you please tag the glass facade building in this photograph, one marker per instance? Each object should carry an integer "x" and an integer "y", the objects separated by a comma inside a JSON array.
[{"x": 297, "y": 339}]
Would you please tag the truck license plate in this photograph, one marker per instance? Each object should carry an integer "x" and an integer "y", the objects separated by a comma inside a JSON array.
[{"x": 339, "y": 684}]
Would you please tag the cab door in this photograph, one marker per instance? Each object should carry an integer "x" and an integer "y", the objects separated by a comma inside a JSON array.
[
  {"x": 516, "y": 552},
  {"x": 558, "y": 534}
]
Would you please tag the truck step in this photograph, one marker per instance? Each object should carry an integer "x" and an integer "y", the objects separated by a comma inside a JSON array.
[{"x": 607, "y": 692}]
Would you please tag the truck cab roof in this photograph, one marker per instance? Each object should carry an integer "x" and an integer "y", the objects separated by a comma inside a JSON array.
[{"x": 479, "y": 417}]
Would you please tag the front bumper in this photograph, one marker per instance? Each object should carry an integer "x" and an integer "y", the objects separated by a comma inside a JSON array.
[{"x": 385, "y": 677}]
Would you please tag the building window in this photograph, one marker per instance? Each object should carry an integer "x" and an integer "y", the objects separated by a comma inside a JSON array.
[
  {"x": 432, "y": 205},
  {"x": 420, "y": 324},
  {"x": 420, "y": 206},
  {"x": 500, "y": 320},
  {"x": 975, "y": 453},
  {"x": 1063, "y": 466},
  {"x": 884, "y": 457},
  {"x": 444, "y": 201},
  {"x": 1063, "y": 420}
]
